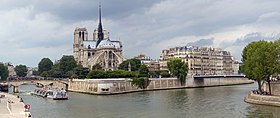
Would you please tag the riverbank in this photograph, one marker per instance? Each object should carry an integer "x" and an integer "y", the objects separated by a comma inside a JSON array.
[
  {"x": 121, "y": 86},
  {"x": 12, "y": 107},
  {"x": 262, "y": 99},
  {"x": 156, "y": 89}
]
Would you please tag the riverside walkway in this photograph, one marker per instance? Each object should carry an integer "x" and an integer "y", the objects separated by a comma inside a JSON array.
[{"x": 12, "y": 107}]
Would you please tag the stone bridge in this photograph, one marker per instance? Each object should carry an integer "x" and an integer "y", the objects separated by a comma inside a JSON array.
[{"x": 53, "y": 83}]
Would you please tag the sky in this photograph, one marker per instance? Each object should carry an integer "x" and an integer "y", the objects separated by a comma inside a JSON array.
[{"x": 33, "y": 29}]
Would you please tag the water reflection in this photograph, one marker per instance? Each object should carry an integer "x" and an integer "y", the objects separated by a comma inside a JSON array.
[
  {"x": 181, "y": 103},
  {"x": 260, "y": 111}
]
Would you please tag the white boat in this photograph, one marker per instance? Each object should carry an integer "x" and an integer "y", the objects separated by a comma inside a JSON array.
[{"x": 55, "y": 94}]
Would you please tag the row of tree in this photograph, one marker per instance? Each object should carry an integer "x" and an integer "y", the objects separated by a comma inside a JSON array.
[
  {"x": 65, "y": 67},
  {"x": 21, "y": 71},
  {"x": 261, "y": 61}
]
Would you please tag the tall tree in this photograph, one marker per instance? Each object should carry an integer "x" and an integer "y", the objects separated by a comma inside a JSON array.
[
  {"x": 135, "y": 64},
  {"x": 3, "y": 72},
  {"x": 67, "y": 63},
  {"x": 178, "y": 68},
  {"x": 21, "y": 70},
  {"x": 143, "y": 71},
  {"x": 45, "y": 65},
  {"x": 259, "y": 60}
]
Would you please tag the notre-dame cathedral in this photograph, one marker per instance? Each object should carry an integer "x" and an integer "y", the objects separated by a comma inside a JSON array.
[{"x": 99, "y": 50}]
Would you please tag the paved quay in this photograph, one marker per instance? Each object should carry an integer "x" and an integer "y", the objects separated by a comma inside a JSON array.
[{"x": 12, "y": 107}]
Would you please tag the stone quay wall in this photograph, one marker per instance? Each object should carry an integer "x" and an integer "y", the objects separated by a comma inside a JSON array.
[
  {"x": 262, "y": 99},
  {"x": 275, "y": 87},
  {"x": 124, "y": 85}
]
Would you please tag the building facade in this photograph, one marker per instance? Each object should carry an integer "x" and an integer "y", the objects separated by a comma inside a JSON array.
[
  {"x": 200, "y": 60},
  {"x": 152, "y": 64},
  {"x": 98, "y": 50}
]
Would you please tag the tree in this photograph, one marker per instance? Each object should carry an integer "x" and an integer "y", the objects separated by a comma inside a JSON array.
[
  {"x": 81, "y": 72},
  {"x": 45, "y": 65},
  {"x": 259, "y": 60},
  {"x": 178, "y": 68},
  {"x": 3, "y": 72},
  {"x": 96, "y": 67},
  {"x": 143, "y": 71},
  {"x": 164, "y": 73},
  {"x": 67, "y": 63},
  {"x": 56, "y": 71},
  {"x": 21, "y": 70},
  {"x": 141, "y": 83},
  {"x": 44, "y": 74},
  {"x": 135, "y": 64}
]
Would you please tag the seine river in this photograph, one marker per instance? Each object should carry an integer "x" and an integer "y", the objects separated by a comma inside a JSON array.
[{"x": 213, "y": 102}]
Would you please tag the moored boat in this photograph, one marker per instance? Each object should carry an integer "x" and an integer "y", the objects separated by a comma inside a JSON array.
[{"x": 55, "y": 94}]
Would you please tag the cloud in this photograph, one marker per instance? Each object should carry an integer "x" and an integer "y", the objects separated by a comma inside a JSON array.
[
  {"x": 202, "y": 42},
  {"x": 32, "y": 29}
]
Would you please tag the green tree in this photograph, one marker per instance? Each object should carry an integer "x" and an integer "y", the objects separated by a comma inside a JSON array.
[
  {"x": 56, "y": 71},
  {"x": 44, "y": 74},
  {"x": 164, "y": 73},
  {"x": 21, "y": 70},
  {"x": 141, "y": 82},
  {"x": 135, "y": 64},
  {"x": 45, "y": 65},
  {"x": 3, "y": 72},
  {"x": 259, "y": 60},
  {"x": 96, "y": 67},
  {"x": 143, "y": 71},
  {"x": 81, "y": 72},
  {"x": 67, "y": 63},
  {"x": 178, "y": 68},
  {"x": 62, "y": 68},
  {"x": 110, "y": 74}
]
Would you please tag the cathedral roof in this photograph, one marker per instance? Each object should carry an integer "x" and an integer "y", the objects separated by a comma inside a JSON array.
[
  {"x": 89, "y": 44},
  {"x": 106, "y": 44}
]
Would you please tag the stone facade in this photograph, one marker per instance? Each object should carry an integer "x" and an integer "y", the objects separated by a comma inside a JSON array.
[
  {"x": 200, "y": 60},
  {"x": 98, "y": 50},
  {"x": 123, "y": 85}
]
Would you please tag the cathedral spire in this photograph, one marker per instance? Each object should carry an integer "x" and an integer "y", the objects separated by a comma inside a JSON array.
[{"x": 100, "y": 30}]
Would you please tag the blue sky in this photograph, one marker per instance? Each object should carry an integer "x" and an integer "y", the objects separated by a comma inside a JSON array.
[{"x": 33, "y": 29}]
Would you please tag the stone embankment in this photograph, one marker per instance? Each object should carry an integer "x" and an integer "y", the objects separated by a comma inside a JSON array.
[
  {"x": 262, "y": 99},
  {"x": 124, "y": 85},
  {"x": 12, "y": 106}
]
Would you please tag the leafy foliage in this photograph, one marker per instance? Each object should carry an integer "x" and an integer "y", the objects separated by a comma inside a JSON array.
[
  {"x": 135, "y": 64},
  {"x": 67, "y": 63},
  {"x": 109, "y": 74},
  {"x": 178, "y": 68},
  {"x": 45, "y": 65},
  {"x": 3, "y": 72},
  {"x": 141, "y": 83},
  {"x": 260, "y": 61},
  {"x": 164, "y": 73},
  {"x": 96, "y": 67},
  {"x": 143, "y": 71},
  {"x": 21, "y": 70}
]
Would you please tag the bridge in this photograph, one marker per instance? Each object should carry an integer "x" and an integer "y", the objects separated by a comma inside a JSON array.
[{"x": 56, "y": 83}]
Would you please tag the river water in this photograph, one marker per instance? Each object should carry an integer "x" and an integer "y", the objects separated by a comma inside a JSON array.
[{"x": 211, "y": 102}]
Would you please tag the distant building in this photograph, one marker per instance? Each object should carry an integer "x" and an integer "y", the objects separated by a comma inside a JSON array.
[
  {"x": 153, "y": 65},
  {"x": 11, "y": 69},
  {"x": 200, "y": 60},
  {"x": 235, "y": 67},
  {"x": 99, "y": 50}
]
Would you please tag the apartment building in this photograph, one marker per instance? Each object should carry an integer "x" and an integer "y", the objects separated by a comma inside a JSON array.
[{"x": 200, "y": 60}]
